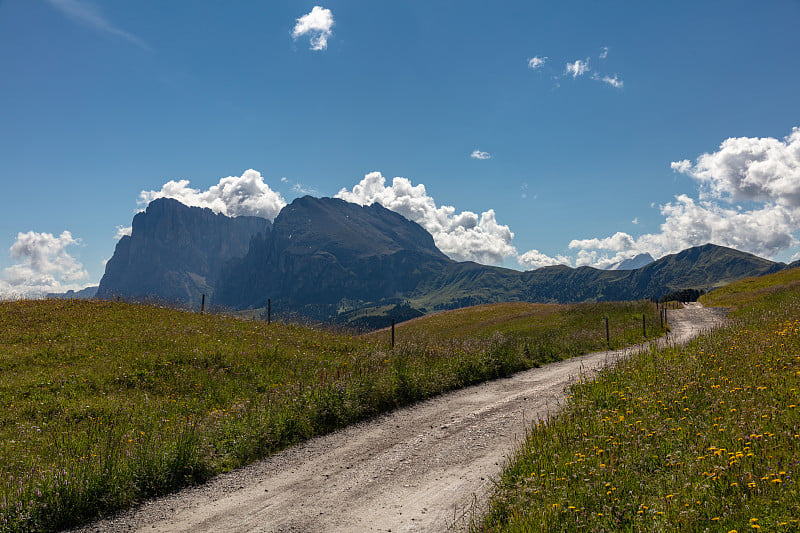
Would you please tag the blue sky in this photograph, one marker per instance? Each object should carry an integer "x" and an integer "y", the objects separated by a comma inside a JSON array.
[{"x": 591, "y": 131}]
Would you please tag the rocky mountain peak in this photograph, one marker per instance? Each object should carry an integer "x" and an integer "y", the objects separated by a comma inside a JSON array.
[{"x": 175, "y": 252}]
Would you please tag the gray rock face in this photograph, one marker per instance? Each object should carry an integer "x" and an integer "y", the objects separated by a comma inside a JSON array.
[
  {"x": 324, "y": 250},
  {"x": 175, "y": 253}
]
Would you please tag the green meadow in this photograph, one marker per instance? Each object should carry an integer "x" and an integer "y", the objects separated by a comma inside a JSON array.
[
  {"x": 704, "y": 437},
  {"x": 104, "y": 404}
]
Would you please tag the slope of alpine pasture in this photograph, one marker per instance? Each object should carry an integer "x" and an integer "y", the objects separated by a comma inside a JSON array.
[
  {"x": 749, "y": 289},
  {"x": 569, "y": 329},
  {"x": 103, "y": 404},
  {"x": 704, "y": 437}
]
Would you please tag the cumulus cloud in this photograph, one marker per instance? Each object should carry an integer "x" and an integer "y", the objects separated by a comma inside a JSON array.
[
  {"x": 748, "y": 168},
  {"x": 604, "y": 53},
  {"x": 232, "y": 196},
  {"x": 577, "y": 68},
  {"x": 537, "y": 62},
  {"x": 464, "y": 236},
  {"x": 477, "y": 154},
  {"x": 764, "y": 231},
  {"x": 536, "y": 259},
  {"x": 680, "y": 166},
  {"x": 318, "y": 25},
  {"x": 123, "y": 231},
  {"x": 619, "y": 242},
  {"x": 42, "y": 265},
  {"x": 86, "y": 14},
  {"x": 765, "y": 172}
]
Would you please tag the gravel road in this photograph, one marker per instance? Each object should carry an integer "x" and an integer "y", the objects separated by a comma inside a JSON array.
[{"x": 420, "y": 468}]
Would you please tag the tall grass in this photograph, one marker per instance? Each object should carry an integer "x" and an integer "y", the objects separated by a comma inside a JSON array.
[
  {"x": 104, "y": 404},
  {"x": 700, "y": 438}
]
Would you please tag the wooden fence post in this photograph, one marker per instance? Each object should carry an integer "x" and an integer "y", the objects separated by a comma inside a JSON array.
[
  {"x": 203, "y": 304},
  {"x": 608, "y": 339},
  {"x": 269, "y": 311},
  {"x": 644, "y": 329},
  {"x": 393, "y": 333}
]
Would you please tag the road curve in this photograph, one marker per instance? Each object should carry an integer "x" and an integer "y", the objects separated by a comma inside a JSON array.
[{"x": 416, "y": 469}]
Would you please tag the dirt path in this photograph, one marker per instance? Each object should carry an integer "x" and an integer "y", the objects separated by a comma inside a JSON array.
[{"x": 416, "y": 469}]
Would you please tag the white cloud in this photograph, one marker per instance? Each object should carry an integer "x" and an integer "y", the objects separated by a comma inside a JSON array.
[
  {"x": 614, "y": 82},
  {"x": 43, "y": 265},
  {"x": 587, "y": 258},
  {"x": 635, "y": 221},
  {"x": 679, "y": 166},
  {"x": 764, "y": 231},
  {"x": 602, "y": 261},
  {"x": 536, "y": 259},
  {"x": 749, "y": 168},
  {"x": 577, "y": 68},
  {"x": 477, "y": 154},
  {"x": 462, "y": 236},
  {"x": 762, "y": 171},
  {"x": 299, "y": 188},
  {"x": 318, "y": 24},
  {"x": 123, "y": 231},
  {"x": 86, "y": 14},
  {"x": 619, "y": 242},
  {"x": 232, "y": 196},
  {"x": 537, "y": 62}
]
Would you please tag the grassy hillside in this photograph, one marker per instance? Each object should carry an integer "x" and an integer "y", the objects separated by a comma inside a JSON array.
[
  {"x": 750, "y": 289},
  {"x": 700, "y": 438},
  {"x": 569, "y": 328},
  {"x": 103, "y": 404}
]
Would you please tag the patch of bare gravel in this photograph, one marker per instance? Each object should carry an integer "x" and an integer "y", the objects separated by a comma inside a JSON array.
[{"x": 417, "y": 469}]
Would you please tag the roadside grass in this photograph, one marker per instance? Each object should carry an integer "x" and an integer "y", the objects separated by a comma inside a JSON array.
[
  {"x": 104, "y": 404},
  {"x": 700, "y": 438}
]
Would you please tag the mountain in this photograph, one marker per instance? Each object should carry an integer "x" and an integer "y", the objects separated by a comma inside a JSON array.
[
  {"x": 175, "y": 252},
  {"x": 325, "y": 255},
  {"x": 327, "y": 259},
  {"x": 633, "y": 263},
  {"x": 701, "y": 268},
  {"x": 84, "y": 294}
]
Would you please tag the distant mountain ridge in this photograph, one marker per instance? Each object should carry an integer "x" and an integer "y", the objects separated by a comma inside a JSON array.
[
  {"x": 702, "y": 267},
  {"x": 328, "y": 259},
  {"x": 87, "y": 293}
]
